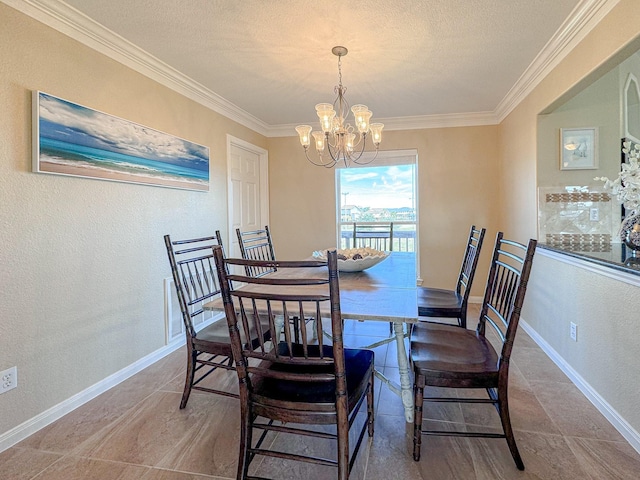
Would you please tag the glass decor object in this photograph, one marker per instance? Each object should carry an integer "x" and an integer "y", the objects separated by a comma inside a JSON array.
[
  {"x": 626, "y": 188},
  {"x": 632, "y": 238}
]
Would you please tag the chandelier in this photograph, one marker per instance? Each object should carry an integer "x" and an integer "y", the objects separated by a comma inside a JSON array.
[{"x": 338, "y": 138}]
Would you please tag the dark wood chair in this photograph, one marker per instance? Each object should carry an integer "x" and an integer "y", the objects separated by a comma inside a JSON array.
[
  {"x": 437, "y": 302},
  {"x": 373, "y": 235},
  {"x": 196, "y": 282},
  {"x": 256, "y": 245},
  {"x": 286, "y": 386},
  {"x": 452, "y": 357}
]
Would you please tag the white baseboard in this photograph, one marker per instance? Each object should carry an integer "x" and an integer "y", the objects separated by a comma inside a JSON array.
[
  {"x": 619, "y": 423},
  {"x": 31, "y": 426}
]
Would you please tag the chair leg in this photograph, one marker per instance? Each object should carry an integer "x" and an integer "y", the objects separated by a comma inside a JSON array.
[
  {"x": 343, "y": 449},
  {"x": 463, "y": 319},
  {"x": 246, "y": 431},
  {"x": 503, "y": 408},
  {"x": 418, "y": 393},
  {"x": 191, "y": 370},
  {"x": 370, "y": 416}
]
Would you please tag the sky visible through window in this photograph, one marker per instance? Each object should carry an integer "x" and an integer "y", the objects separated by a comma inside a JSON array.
[{"x": 378, "y": 187}]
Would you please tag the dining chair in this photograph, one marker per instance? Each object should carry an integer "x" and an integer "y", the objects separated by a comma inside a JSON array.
[
  {"x": 442, "y": 303},
  {"x": 452, "y": 357},
  {"x": 196, "y": 282},
  {"x": 256, "y": 245},
  {"x": 373, "y": 235},
  {"x": 287, "y": 386}
]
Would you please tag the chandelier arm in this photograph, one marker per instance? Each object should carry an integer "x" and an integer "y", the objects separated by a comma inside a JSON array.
[
  {"x": 329, "y": 164},
  {"x": 369, "y": 161}
]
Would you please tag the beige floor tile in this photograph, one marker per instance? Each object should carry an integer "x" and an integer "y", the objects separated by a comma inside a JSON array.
[
  {"x": 211, "y": 446},
  {"x": 606, "y": 460},
  {"x": 546, "y": 457},
  {"x": 441, "y": 411},
  {"x": 158, "y": 474},
  {"x": 524, "y": 408},
  {"x": 391, "y": 456},
  {"x": 145, "y": 434},
  {"x": 572, "y": 412},
  {"x": 284, "y": 469},
  {"x": 524, "y": 340},
  {"x": 77, "y": 468},
  {"x": 24, "y": 463},
  {"x": 74, "y": 428},
  {"x": 517, "y": 379},
  {"x": 536, "y": 366}
]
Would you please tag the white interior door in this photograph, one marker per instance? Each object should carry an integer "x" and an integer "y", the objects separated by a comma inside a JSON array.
[{"x": 248, "y": 189}]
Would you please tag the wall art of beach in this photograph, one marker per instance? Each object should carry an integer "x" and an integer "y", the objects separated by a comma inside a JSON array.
[{"x": 70, "y": 139}]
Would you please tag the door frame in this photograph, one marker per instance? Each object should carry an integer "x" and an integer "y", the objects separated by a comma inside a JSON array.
[
  {"x": 264, "y": 182},
  {"x": 387, "y": 158}
]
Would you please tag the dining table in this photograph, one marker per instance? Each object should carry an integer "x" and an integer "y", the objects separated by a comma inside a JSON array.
[{"x": 385, "y": 292}]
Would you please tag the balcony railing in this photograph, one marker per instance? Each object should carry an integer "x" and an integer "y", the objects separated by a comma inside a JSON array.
[{"x": 404, "y": 235}]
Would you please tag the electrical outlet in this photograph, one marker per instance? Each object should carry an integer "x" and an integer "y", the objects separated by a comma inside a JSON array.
[
  {"x": 8, "y": 379},
  {"x": 574, "y": 332},
  {"x": 594, "y": 215}
]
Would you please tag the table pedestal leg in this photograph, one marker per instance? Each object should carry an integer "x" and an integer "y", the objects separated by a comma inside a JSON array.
[{"x": 403, "y": 366}]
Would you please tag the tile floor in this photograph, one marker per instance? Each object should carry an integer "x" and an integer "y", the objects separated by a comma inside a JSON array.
[{"x": 135, "y": 431}]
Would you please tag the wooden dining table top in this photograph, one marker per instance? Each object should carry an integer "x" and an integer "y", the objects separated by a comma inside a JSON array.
[{"x": 385, "y": 292}]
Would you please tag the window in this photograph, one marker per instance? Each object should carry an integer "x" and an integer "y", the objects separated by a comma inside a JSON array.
[{"x": 382, "y": 192}]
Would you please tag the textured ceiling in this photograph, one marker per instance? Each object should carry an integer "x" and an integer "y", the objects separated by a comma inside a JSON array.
[{"x": 406, "y": 57}]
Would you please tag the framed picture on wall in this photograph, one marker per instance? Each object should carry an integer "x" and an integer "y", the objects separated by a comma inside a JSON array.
[
  {"x": 70, "y": 139},
  {"x": 579, "y": 148}
]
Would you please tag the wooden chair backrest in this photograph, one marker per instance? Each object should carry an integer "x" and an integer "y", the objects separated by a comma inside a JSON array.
[
  {"x": 470, "y": 262},
  {"x": 505, "y": 291},
  {"x": 256, "y": 245},
  {"x": 194, "y": 274},
  {"x": 283, "y": 296}
]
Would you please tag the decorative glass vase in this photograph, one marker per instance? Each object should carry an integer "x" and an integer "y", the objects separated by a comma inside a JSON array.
[
  {"x": 630, "y": 231},
  {"x": 632, "y": 238}
]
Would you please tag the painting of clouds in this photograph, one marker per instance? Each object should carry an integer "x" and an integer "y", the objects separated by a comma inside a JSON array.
[{"x": 70, "y": 139}]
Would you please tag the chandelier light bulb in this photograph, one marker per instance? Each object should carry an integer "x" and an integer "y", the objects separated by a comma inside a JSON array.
[
  {"x": 319, "y": 141},
  {"x": 304, "y": 131},
  {"x": 376, "y": 133}
]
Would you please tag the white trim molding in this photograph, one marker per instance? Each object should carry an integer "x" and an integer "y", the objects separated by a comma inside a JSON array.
[
  {"x": 584, "y": 17},
  {"x": 618, "y": 422}
]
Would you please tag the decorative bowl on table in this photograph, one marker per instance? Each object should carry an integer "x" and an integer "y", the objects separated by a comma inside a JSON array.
[{"x": 354, "y": 259}]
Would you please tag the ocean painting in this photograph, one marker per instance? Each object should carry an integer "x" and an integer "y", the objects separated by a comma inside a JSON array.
[{"x": 70, "y": 139}]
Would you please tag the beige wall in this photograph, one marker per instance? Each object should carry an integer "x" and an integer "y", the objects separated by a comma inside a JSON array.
[
  {"x": 604, "y": 309},
  {"x": 83, "y": 261},
  {"x": 457, "y": 181}
]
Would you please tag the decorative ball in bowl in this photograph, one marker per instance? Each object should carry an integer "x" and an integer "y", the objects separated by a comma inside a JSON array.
[{"x": 354, "y": 259}]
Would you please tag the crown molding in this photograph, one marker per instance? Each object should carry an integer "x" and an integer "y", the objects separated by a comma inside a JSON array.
[
  {"x": 410, "y": 123},
  {"x": 73, "y": 23},
  {"x": 584, "y": 17},
  {"x": 69, "y": 21}
]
